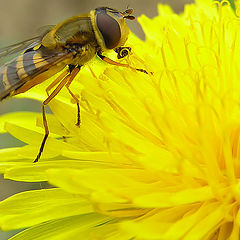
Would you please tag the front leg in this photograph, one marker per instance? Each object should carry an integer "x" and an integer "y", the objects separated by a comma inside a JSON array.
[
  {"x": 122, "y": 52},
  {"x": 110, "y": 61}
]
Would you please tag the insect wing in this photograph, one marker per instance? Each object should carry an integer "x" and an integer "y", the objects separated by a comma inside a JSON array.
[
  {"x": 18, "y": 47},
  {"x": 25, "y": 67},
  {"x": 21, "y": 46},
  {"x": 28, "y": 62},
  {"x": 72, "y": 27}
]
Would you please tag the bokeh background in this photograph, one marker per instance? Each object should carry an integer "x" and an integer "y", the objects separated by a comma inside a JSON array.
[{"x": 20, "y": 20}]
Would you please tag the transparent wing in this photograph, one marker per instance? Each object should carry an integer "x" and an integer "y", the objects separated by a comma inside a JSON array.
[
  {"x": 32, "y": 67},
  {"x": 79, "y": 26},
  {"x": 29, "y": 43},
  {"x": 67, "y": 28},
  {"x": 15, "y": 48},
  {"x": 44, "y": 29},
  {"x": 35, "y": 65}
]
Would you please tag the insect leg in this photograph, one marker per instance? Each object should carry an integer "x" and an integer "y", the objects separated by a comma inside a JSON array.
[
  {"x": 56, "y": 81},
  {"x": 52, "y": 95},
  {"x": 110, "y": 61},
  {"x": 74, "y": 73},
  {"x": 122, "y": 51}
]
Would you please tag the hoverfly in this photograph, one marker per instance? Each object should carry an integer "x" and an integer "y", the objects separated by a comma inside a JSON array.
[{"x": 68, "y": 45}]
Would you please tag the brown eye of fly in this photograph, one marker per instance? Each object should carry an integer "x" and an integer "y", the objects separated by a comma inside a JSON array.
[{"x": 109, "y": 29}]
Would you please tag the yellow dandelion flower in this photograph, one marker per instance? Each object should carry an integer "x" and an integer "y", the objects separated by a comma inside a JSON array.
[{"x": 156, "y": 156}]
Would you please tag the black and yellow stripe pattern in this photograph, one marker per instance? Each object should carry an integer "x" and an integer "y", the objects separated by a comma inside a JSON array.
[{"x": 14, "y": 74}]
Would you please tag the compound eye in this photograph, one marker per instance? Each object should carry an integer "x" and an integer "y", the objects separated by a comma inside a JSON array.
[{"x": 109, "y": 29}]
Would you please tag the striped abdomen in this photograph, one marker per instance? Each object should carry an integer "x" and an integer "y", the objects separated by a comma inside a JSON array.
[{"x": 27, "y": 70}]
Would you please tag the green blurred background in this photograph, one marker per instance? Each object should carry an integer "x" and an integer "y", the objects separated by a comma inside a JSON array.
[{"x": 20, "y": 20}]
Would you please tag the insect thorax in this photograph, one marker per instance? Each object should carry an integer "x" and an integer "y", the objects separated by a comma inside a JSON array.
[{"x": 82, "y": 54}]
